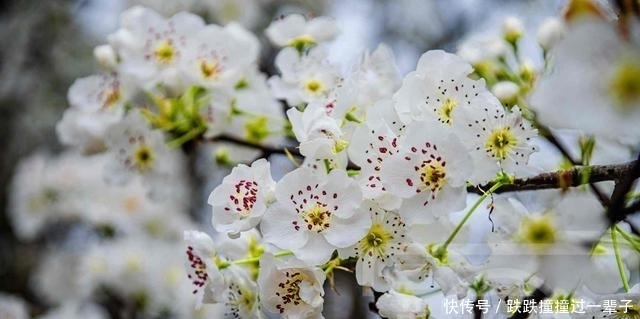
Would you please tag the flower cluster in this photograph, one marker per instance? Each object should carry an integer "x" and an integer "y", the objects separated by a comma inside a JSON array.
[{"x": 397, "y": 179}]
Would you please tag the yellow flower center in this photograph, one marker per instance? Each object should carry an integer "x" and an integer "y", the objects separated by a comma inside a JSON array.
[
  {"x": 625, "y": 85},
  {"x": 209, "y": 69},
  {"x": 111, "y": 97},
  {"x": 539, "y": 232},
  {"x": 289, "y": 289},
  {"x": 376, "y": 241},
  {"x": 164, "y": 52},
  {"x": 317, "y": 218},
  {"x": 143, "y": 158},
  {"x": 444, "y": 112},
  {"x": 500, "y": 143},
  {"x": 314, "y": 86},
  {"x": 302, "y": 42},
  {"x": 433, "y": 174}
]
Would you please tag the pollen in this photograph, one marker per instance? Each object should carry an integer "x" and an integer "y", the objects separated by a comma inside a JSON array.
[
  {"x": 433, "y": 173},
  {"x": 444, "y": 111},
  {"x": 164, "y": 52},
  {"x": 376, "y": 242},
  {"x": 500, "y": 143},
  {"x": 289, "y": 290},
  {"x": 318, "y": 218},
  {"x": 111, "y": 97},
  {"x": 209, "y": 69}
]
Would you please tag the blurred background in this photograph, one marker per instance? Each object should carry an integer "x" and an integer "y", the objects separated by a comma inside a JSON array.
[{"x": 46, "y": 45}]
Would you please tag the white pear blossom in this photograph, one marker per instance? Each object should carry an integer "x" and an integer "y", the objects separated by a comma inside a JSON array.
[
  {"x": 395, "y": 305},
  {"x": 557, "y": 237},
  {"x": 151, "y": 48},
  {"x": 497, "y": 139},
  {"x": 319, "y": 134},
  {"x": 218, "y": 57},
  {"x": 201, "y": 268},
  {"x": 371, "y": 144},
  {"x": 96, "y": 102},
  {"x": 429, "y": 171},
  {"x": 242, "y": 198},
  {"x": 594, "y": 84},
  {"x": 136, "y": 149},
  {"x": 296, "y": 31},
  {"x": 291, "y": 288},
  {"x": 304, "y": 78},
  {"x": 437, "y": 88},
  {"x": 377, "y": 249},
  {"x": 314, "y": 215}
]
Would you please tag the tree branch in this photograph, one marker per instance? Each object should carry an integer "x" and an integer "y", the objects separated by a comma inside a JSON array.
[
  {"x": 564, "y": 178},
  {"x": 546, "y": 133}
]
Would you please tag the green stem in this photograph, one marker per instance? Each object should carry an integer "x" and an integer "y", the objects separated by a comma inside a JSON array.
[
  {"x": 193, "y": 133},
  {"x": 441, "y": 251},
  {"x": 331, "y": 265},
  {"x": 628, "y": 238},
  {"x": 623, "y": 275},
  {"x": 253, "y": 260}
]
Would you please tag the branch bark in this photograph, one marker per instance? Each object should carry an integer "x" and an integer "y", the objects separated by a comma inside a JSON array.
[{"x": 564, "y": 178}]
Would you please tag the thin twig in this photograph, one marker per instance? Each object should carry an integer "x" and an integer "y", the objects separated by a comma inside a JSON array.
[{"x": 265, "y": 149}]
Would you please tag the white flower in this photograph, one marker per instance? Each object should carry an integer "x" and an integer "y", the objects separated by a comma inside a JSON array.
[
  {"x": 377, "y": 249},
  {"x": 218, "y": 57},
  {"x": 319, "y": 133},
  {"x": 304, "y": 78},
  {"x": 202, "y": 270},
  {"x": 371, "y": 144},
  {"x": 497, "y": 140},
  {"x": 296, "y": 31},
  {"x": 555, "y": 237},
  {"x": 429, "y": 172},
  {"x": 242, "y": 198},
  {"x": 291, "y": 288},
  {"x": 96, "y": 102},
  {"x": 137, "y": 149},
  {"x": 376, "y": 76},
  {"x": 151, "y": 47},
  {"x": 437, "y": 88},
  {"x": 314, "y": 215},
  {"x": 394, "y": 305},
  {"x": 595, "y": 83}
]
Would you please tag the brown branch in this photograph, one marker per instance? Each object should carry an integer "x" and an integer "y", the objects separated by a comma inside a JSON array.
[
  {"x": 624, "y": 183},
  {"x": 546, "y": 133},
  {"x": 563, "y": 178}
]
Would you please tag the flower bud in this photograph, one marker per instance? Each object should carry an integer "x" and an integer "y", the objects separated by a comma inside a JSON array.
[
  {"x": 513, "y": 29},
  {"x": 550, "y": 32},
  {"x": 106, "y": 56},
  {"x": 506, "y": 92}
]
